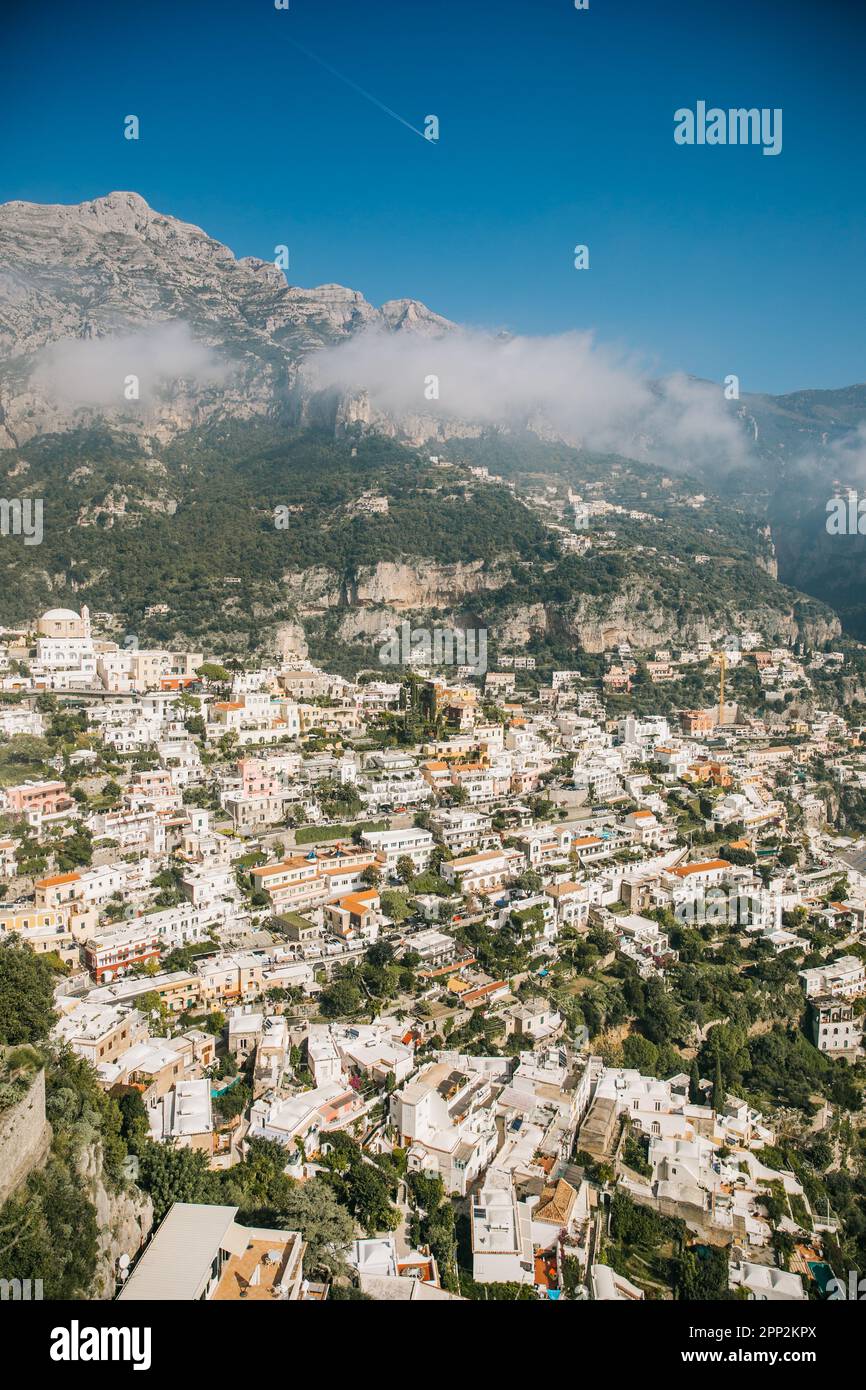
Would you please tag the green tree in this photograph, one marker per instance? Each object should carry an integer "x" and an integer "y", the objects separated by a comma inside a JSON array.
[
  {"x": 369, "y": 1198},
  {"x": 176, "y": 1175},
  {"x": 405, "y": 869},
  {"x": 49, "y": 1231},
  {"x": 135, "y": 1129},
  {"x": 340, "y": 999},
  {"x": 232, "y": 1102},
  {"x": 395, "y": 905},
  {"x": 640, "y": 1053},
  {"x": 26, "y": 995},
  {"x": 211, "y": 671},
  {"x": 702, "y": 1274},
  {"x": 530, "y": 881},
  {"x": 312, "y": 1208}
]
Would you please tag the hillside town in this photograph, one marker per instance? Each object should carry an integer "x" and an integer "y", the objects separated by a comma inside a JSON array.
[{"x": 435, "y": 985}]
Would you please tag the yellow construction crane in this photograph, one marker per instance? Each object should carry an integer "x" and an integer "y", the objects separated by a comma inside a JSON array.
[{"x": 721, "y": 660}]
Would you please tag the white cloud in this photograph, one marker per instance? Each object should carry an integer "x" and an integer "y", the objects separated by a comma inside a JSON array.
[
  {"x": 92, "y": 372},
  {"x": 846, "y": 456},
  {"x": 586, "y": 393}
]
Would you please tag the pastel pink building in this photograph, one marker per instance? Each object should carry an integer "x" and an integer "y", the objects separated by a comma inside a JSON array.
[
  {"x": 45, "y": 797},
  {"x": 257, "y": 779}
]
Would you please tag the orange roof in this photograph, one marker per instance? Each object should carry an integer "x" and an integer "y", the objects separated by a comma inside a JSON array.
[
  {"x": 556, "y": 1203},
  {"x": 482, "y": 991},
  {"x": 229, "y": 704},
  {"x": 483, "y": 858},
  {"x": 558, "y": 890},
  {"x": 296, "y": 862},
  {"x": 358, "y": 902},
  {"x": 333, "y": 1109},
  {"x": 688, "y": 869},
  {"x": 423, "y": 1269},
  {"x": 586, "y": 840},
  {"x": 57, "y": 879},
  {"x": 451, "y": 969}
]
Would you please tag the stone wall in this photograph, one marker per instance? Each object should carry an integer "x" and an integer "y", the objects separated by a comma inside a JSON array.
[{"x": 25, "y": 1137}]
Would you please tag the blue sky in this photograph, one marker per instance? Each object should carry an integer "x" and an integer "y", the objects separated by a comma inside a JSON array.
[{"x": 556, "y": 129}]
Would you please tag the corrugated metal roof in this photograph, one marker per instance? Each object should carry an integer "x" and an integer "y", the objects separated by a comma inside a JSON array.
[{"x": 176, "y": 1264}]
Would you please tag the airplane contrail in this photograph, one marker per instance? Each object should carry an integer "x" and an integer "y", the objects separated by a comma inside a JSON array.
[{"x": 354, "y": 85}]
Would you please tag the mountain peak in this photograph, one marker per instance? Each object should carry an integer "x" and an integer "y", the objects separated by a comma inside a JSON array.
[
  {"x": 118, "y": 198},
  {"x": 119, "y": 211},
  {"x": 118, "y": 270},
  {"x": 410, "y": 315}
]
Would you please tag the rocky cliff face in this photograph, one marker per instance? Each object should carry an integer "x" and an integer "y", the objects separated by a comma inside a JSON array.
[
  {"x": 626, "y": 616},
  {"x": 383, "y": 595},
  {"x": 390, "y": 588},
  {"x": 96, "y": 292},
  {"x": 407, "y": 586},
  {"x": 124, "y": 1218}
]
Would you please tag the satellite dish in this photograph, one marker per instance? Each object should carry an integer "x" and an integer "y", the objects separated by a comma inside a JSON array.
[{"x": 123, "y": 1261}]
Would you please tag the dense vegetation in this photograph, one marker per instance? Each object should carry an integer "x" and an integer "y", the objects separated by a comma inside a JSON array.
[{"x": 180, "y": 525}]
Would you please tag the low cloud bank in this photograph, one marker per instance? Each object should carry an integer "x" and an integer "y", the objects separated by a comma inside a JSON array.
[
  {"x": 586, "y": 394},
  {"x": 95, "y": 372}
]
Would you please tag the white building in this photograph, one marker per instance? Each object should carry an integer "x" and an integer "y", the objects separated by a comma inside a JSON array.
[
  {"x": 835, "y": 1030},
  {"x": 845, "y": 976},
  {"x": 766, "y": 1284},
  {"x": 394, "y": 845},
  {"x": 445, "y": 1117},
  {"x": 502, "y": 1246},
  {"x": 337, "y": 1050}
]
